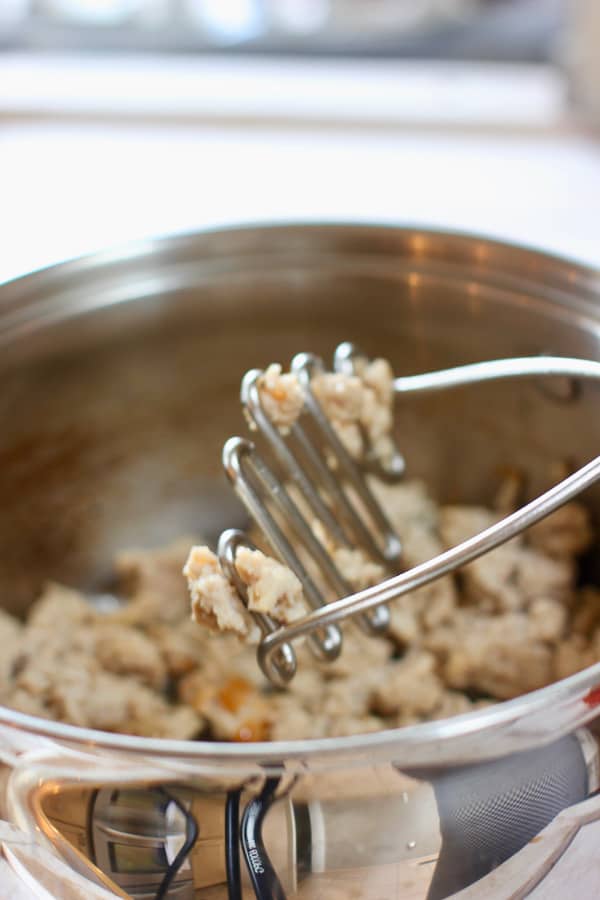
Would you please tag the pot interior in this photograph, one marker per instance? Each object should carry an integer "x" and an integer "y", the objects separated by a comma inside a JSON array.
[{"x": 121, "y": 377}]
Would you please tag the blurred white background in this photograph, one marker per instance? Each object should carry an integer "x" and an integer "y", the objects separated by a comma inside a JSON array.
[{"x": 125, "y": 118}]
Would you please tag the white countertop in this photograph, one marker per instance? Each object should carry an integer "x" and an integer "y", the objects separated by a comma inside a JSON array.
[{"x": 71, "y": 181}]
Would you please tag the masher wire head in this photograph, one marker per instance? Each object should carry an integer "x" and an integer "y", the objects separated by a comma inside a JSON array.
[{"x": 331, "y": 489}]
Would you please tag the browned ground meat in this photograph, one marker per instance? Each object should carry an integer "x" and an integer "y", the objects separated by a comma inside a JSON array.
[
  {"x": 508, "y": 623},
  {"x": 359, "y": 407}
]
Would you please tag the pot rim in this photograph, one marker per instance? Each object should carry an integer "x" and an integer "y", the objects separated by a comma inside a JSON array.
[
  {"x": 150, "y": 244},
  {"x": 584, "y": 687}
]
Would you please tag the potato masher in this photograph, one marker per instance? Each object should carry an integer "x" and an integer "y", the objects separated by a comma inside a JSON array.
[{"x": 333, "y": 488}]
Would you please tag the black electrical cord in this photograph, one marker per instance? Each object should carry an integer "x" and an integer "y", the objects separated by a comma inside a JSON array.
[
  {"x": 232, "y": 846},
  {"x": 191, "y": 836},
  {"x": 264, "y": 879}
]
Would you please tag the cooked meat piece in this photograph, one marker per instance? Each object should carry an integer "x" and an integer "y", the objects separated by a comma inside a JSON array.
[
  {"x": 293, "y": 722},
  {"x": 345, "y": 726},
  {"x": 26, "y": 703},
  {"x": 409, "y": 686},
  {"x": 564, "y": 534},
  {"x": 176, "y": 723},
  {"x": 215, "y": 601},
  {"x": 437, "y": 601},
  {"x": 513, "y": 575},
  {"x": 332, "y": 708},
  {"x": 350, "y": 437},
  {"x": 273, "y": 589},
  {"x": 378, "y": 376},
  {"x": 582, "y": 647},
  {"x": 509, "y": 494},
  {"x": 419, "y": 612},
  {"x": 542, "y": 576},
  {"x": 340, "y": 396},
  {"x": 339, "y": 698},
  {"x": 452, "y": 703},
  {"x": 224, "y": 656},
  {"x": 459, "y": 523},
  {"x": 357, "y": 569},
  {"x": 407, "y": 505},
  {"x": 415, "y": 518},
  {"x": 361, "y": 654},
  {"x": 82, "y": 694},
  {"x": 405, "y": 627},
  {"x": 341, "y": 399},
  {"x": 577, "y": 652},
  {"x": 491, "y": 582},
  {"x": 60, "y": 604},
  {"x": 152, "y": 582},
  {"x": 234, "y": 709},
  {"x": 547, "y": 619},
  {"x": 73, "y": 688},
  {"x": 127, "y": 651},
  {"x": 377, "y": 413},
  {"x": 586, "y": 614},
  {"x": 352, "y": 563},
  {"x": 354, "y": 404},
  {"x": 11, "y": 631},
  {"x": 181, "y": 646},
  {"x": 281, "y": 396},
  {"x": 495, "y": 655}
]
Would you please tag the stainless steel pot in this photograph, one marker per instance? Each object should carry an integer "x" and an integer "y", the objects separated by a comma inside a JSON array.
[{"x": 120, "y": 378}]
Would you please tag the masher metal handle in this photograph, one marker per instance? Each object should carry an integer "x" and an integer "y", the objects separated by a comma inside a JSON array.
[{"x": 362, "y": 602}]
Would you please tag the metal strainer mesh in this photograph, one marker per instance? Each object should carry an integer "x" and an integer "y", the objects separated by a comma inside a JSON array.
[{"x": 491, "y": 810}]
